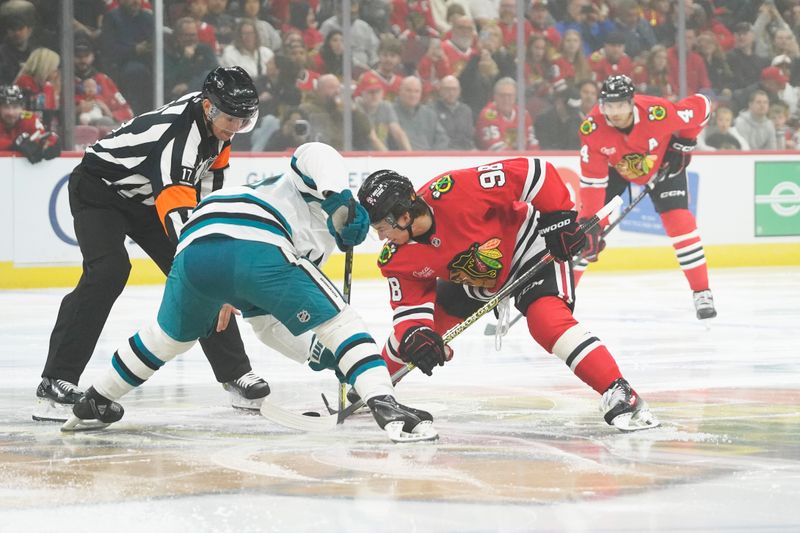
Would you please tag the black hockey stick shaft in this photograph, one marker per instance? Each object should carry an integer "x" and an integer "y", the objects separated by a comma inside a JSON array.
[
  {"x": 649, "y": 186},
  {"x": 491, "y": 329},
  {"x": 505, "y": 292},
  {"x": 347, "y": 289}
]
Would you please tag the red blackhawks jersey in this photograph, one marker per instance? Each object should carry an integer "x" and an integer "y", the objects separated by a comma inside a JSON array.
[
  {"x": 495, "y": 131},
  {"x": 27, "y": 123},
  {"x": 636, "y": 155},
  {"x": 484, "y": 233}
]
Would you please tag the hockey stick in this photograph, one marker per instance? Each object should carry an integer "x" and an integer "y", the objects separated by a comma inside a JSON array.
[
  {"x": 277, "y": 414},
  {"x": 491, "y": 329},
  {"x": 310, "y": 423},
  {"x": 346, "y": 290}
]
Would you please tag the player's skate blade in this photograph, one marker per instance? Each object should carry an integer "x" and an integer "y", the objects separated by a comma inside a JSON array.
[
  {"x": 93, "y": 411},
  {"x": 75, "y": 424},
  {"x": 626, "y": 410},
  {"x": 637, "y": 421},
  {"x": 424, "y": 431},
  {"x": 402, "y": 423}
]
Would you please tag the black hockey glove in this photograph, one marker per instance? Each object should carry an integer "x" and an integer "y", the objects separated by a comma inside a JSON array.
[
  {"x": 678, "y": 155},
  {"x": 31, "y": 149},
  {"x": 594, "y": 242},
  {"x": 423, "y": 347},
  {"x": 562, "y": 234},
  {"x": 51, "y": 147}
]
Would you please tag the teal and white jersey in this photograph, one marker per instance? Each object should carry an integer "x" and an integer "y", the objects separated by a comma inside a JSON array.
[{"x": 283, "y": 210}]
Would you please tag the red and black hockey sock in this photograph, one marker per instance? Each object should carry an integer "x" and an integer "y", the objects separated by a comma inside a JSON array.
[
  {"x": 681, "y": 227},
  {"x": 552, "y": 325}
]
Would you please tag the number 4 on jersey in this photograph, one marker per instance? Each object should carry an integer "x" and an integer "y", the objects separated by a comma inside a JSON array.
[{"x": 686, "y": 115}]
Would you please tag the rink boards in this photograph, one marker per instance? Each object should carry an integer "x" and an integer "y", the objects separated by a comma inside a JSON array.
[{"x": 747, "y": 207}]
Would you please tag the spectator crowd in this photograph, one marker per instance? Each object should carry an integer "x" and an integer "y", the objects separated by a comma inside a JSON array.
[{"x": 426, "y": 74}]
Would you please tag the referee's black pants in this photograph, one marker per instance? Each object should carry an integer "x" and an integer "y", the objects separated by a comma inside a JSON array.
[{"x": 102, "y": 219}]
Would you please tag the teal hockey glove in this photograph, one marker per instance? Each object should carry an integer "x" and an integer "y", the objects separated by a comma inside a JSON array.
[{"x": 347, "y": 233}]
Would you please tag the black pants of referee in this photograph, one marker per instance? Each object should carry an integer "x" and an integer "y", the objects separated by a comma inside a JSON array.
[{"x": 102, "y": 219}]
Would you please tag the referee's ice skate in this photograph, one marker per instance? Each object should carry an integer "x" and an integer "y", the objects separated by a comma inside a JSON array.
[
  {"x": 402, "y": 423},
  {"x": 247, "y": 392},
  {"x": 54, "y": 400}
]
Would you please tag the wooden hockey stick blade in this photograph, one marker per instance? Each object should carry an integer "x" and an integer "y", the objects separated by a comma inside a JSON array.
[{"x": 292, "y": 420}]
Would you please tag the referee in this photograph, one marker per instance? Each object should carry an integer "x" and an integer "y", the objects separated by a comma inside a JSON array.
[{"x": 143, "y": 180}]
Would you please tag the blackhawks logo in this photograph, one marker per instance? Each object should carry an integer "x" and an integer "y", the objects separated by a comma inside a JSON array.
[
  {"x": 633, "y": 166},
  {"x": 656, "y": 112},
  {"x": 386, "y": 254},
  {"x": 491, "y": 114},
  {"x": 441, "y": 186},
  {"x": 478, "y": 266},
  {"x": 588, "y": 126}
]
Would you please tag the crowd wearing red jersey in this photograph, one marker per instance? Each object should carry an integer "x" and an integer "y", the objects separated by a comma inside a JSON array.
[
  {"x": 733, "y": 51},
  {"x": 27, "y": 123}
]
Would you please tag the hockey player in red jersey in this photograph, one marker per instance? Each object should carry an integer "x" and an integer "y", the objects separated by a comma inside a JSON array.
[
  {"x": 22, "y": 131},
  {"x": 460, "y": 239},
  {"x": 626, "y": 139}
]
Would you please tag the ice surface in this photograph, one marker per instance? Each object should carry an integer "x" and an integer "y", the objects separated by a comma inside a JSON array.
[{"x": 522, "y": 446}]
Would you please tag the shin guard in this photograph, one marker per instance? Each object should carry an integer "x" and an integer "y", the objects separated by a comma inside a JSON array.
[
  {"x": 681, "y": 227},
  {"x": 552, "y": 325},
  {"x": 134, "y": 363},
  {"x": 356, "y": 354}
]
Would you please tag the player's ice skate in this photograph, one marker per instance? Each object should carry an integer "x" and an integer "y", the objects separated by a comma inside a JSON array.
[
  {"x": 401, "y": 423},
  {"x": 247, "y": 392},
  {"x": 55, "y": 399},
  {"x": 704, "y": 305},
  {"x": 625, "y": 410},
  {"x": 93, "y": 411}
]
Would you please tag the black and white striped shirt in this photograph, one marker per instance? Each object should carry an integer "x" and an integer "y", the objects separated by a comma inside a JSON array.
[{"x": 168, "y": 146}]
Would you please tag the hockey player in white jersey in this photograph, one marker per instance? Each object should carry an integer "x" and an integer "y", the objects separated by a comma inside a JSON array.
[{"x": 257, "y": 249}]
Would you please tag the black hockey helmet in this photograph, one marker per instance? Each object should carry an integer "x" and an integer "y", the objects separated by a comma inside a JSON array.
[
  {"x": 232, "y": 91},
  {"x": 10, "y": 95},
  {"x": 385, "y": 194},
  {"x": 616, "y": 88}
]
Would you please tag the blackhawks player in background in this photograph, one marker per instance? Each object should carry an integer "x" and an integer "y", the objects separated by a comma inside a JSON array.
[
  {"x": 626, "y": 139},
  {"x": 460, "y": 239}
]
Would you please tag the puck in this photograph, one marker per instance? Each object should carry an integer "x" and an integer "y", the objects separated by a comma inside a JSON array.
[{"x": 311, "y": 413}]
